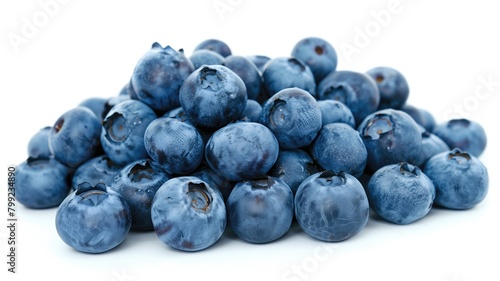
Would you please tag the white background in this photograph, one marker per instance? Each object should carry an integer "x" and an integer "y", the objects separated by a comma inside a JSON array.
[{"x": 81, "y": 49}]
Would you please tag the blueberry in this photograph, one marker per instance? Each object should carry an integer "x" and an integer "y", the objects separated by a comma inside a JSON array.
[
  {"x": 177, "y": 146},
  {"x": 111, "y": 102},
  {"x": 253, "y": 111},
  {"x": 158, "y": 76},
  {"x": 248, "y": 72},
  {"x": 333, "y": 111},
  {"x": 461, "y": 180},
  {"x": 287, "y": 72},
  {"x": 137, "y": 183},
  {"x": 294, "y": 116},
  {"x": 318, "y": 54},
  {"x": 215, "y": 45},
  {"x": 74, "y": 137},
  {"x": 41, "y": 183},
  {"x": 97, "y": 105},
  {"x": 392, "y": 86},
  {"x": 338, "y": 147},
  {"x": 259, "y": 61},
  {"x": 179, "y": 114},
  {"x": 188, "y": 214},
  {"x": 128, "y": 91},
  {"x": 356, "y": 90},
  {"x": 331, "y": 206},
  {"x": 123, "y": 129},
  {"x": 93, "y": 219},
  {"x": 260, "y": 210},
  {"x": 242, "y": 151},
  {"x": 213, "y": 96},
  {"x": 206, "y": 174},
  {"x": 390, "y": 136},
  {"x": 400, "y": 193},
  {"x": 38, "y": 145},
  {"x": 95, "y": 170},
  {"x": 421, "y": 116},
  {"x": 465, "y": 134},
  {"x": 431, "y": 145},
  {"x": 208, "y": 57},
  {"x": 293, "y": 167}
]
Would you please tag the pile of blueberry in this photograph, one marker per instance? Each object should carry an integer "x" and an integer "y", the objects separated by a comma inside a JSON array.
[{"x": 194, "y": 145}]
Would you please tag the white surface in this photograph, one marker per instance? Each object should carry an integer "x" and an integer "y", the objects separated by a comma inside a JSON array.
[{"x": 89, "y": 48}]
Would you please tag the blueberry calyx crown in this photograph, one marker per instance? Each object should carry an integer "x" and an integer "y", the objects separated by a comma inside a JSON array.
[
  {"x": 379, "y": 125},
  {"x": 109, "y": 164},
  {"x": 426, "y": 135},
  {"x": 333, "y": 178},
  {"x": 199, "y": 196},
  {"x": 91, "y": 195},
  {"x": 38, "y": 162},
  {"x": 459, "y": 123},
  {"x": 459, "y": 156},
  {"x": 319, "y": 50},
  {"x": 166, "y": 51},
  {"x": 262, "y": 183},
  {"x": 337, "y": 92},
  {"x": 379, "y": 78},
  {"x": 407, "y": 169},
  {"x": 141, "y": 171},
  {"x": 116, "y": 127},
  {"x": 210, "y": 78},
  {"x": 277, "y": 113},
  {"x": 297, "y": 64},
  {"x": 59, "y": 125}
]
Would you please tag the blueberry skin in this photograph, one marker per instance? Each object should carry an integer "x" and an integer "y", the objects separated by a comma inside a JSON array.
[
  {"x": 177, "y": 146},
  {"x": 38, "y": 145},
  {"x": 215, "y": 45},
  {"x": 137, "y": 183},
  {"x": 206, "y": 174},
  {"x": 242, "y": 151},
  {"x": 294, "y": 116},
  {"x": 318, "y": 54},
  {"x": 74, "y": 137},
  {"x": 95, "y": 170},
  {"x": 97, "y": 105},
  {"x": 158, "y": 76},
  {"x": 392, "y": 86},
  {"x": 208, "y": 57},
  {"x": 293, "y": 167},
  {"x": 331, "y": 206},
  {"x": 287, "y": 72},
  {"x": 188, "y": 214},
  {"x": 213, "y": 96},
  {"x": 390, "y": 136},
  {"x": 461, "y": 180},
  {"x": 259, "y": 61},
  {"x": 465, "y": 134},
  {"x": 333, "y": 111},
  {"x": 41, "y": 183},
  {"x": 356, "y": 90},
  {"x": 261, "y": 210},
  {"x": 421, "y": 116},
  {"x": 253, "y": 111},
  {"x": 123, "y": 129},
  {"x": 93, "y": 219},
  {"x": 248, "y": 72},
  {"x": 400, "y": 193},
  {"x": 338, "y": 147}
]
